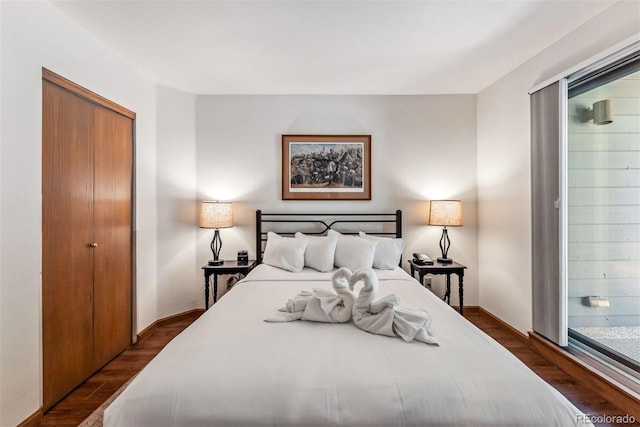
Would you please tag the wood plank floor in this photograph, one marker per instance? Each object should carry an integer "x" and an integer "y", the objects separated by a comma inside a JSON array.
[{"x": 78, "y": 405}]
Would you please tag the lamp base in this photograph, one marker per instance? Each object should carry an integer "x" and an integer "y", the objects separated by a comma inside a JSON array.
[
  {"x": 216, "y": 262},
  {"x": 445, "y": 260}
]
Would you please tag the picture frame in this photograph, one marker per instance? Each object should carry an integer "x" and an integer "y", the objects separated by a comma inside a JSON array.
[{"x": 326, "y": 167}]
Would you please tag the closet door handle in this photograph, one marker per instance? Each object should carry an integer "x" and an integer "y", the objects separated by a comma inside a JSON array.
[{"x": 93, "y": 245}]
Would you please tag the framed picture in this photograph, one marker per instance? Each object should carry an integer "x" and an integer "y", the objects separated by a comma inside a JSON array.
[{"x": 326, "y": 167}]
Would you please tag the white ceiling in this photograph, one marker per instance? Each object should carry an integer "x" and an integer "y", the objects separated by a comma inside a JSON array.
[{"x": 329, "y": 47}]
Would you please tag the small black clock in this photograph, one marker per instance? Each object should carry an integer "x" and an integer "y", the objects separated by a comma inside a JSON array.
[{"x": 243, "y": 257}]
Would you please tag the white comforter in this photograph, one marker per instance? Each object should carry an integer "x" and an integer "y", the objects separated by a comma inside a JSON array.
[{"x": 230, "y": 368}]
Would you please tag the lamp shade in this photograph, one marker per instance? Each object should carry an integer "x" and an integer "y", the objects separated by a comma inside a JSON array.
[
  {"x": 216, "y": 215},
  {"x": 447, "y": 213}
]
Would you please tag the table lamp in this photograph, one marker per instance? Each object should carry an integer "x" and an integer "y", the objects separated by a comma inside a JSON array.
[
  {"x": 447, "y": 213},
  {"x": 216, "y": 215}
]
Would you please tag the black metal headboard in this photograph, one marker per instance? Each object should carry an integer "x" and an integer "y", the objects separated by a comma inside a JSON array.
[{"x": 287, "y": 224}]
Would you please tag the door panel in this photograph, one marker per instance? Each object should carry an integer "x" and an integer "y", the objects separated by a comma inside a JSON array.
[
  {"x": 67, "y": 227},
  {"x": 87, "y": 172},
  {"x": 112, "y": 218}
]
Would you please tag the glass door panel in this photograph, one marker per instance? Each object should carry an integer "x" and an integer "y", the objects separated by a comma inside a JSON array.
[{"x": 603, "y": 247}]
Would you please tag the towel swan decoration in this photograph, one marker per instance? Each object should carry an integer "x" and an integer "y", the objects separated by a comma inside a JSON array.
[
  {"x": 386, "y": 316},
  {"x": 320, "y": 305}
]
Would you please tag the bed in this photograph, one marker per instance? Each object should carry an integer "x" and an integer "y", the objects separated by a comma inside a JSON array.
[{"x": 231, "y": 368}]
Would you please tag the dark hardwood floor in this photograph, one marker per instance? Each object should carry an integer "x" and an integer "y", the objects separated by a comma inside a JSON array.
[{"x": 79, "y": 404}]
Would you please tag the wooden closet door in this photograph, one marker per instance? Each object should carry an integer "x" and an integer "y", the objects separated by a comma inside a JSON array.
[
  {"x": 67, "y": 231},
  {"x": 113, "y": 162},
  {"x": 87, "y": 182}
]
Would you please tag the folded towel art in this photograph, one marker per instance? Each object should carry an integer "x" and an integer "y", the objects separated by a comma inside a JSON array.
[
  {"x": 320, "y": 305},
  {"x": 386, "y": 316}
]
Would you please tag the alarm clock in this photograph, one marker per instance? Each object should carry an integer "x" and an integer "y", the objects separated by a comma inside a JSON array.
[{"x": 243, "y": 257}]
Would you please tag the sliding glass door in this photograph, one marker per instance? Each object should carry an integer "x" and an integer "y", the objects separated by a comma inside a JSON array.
[{"x": 603, "y": 215}]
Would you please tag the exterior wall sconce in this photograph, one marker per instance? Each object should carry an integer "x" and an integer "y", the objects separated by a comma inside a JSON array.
[{"x": 601, "y": 114}]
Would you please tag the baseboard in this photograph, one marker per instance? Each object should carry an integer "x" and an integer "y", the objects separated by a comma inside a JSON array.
[
  {"x": 612, "y": 390},
  {"x": 516, "y": 333},
  {"x": 468, "y": 309},
  {"x": 33, "y": 421},
  {"x": 172, "y": 317}
]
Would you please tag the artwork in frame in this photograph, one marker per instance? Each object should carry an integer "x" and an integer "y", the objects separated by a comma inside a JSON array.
[{"x": 326, "y": 167}]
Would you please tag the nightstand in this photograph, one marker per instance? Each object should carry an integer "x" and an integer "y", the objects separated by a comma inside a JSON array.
[
  {"x": 446, "y": 269},
  {"x": 229, "y": 267}
]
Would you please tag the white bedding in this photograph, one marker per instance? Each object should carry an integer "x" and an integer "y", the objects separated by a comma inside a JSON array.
[{"x": 230, "y": 368}]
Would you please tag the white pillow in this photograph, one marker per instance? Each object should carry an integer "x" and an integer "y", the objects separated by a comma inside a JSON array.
[
  {"x": 320, "y": 251},
  {"x": 388, "y": 251},
  {"x": 353, "y": 252},
  {"x": 284, "y": 252}
]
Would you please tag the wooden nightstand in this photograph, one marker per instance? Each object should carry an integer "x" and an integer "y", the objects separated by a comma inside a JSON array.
[
  {"x": 439, "y": 268},
  {"x": 229, "y": 267}
]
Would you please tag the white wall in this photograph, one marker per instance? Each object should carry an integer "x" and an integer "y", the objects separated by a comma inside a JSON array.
[
  {"x": 35, "y": 34},
  {"x": 423, "y": 147},
  {"x": 504, "y": 184},
  {"x": 180, "y": 287}
]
